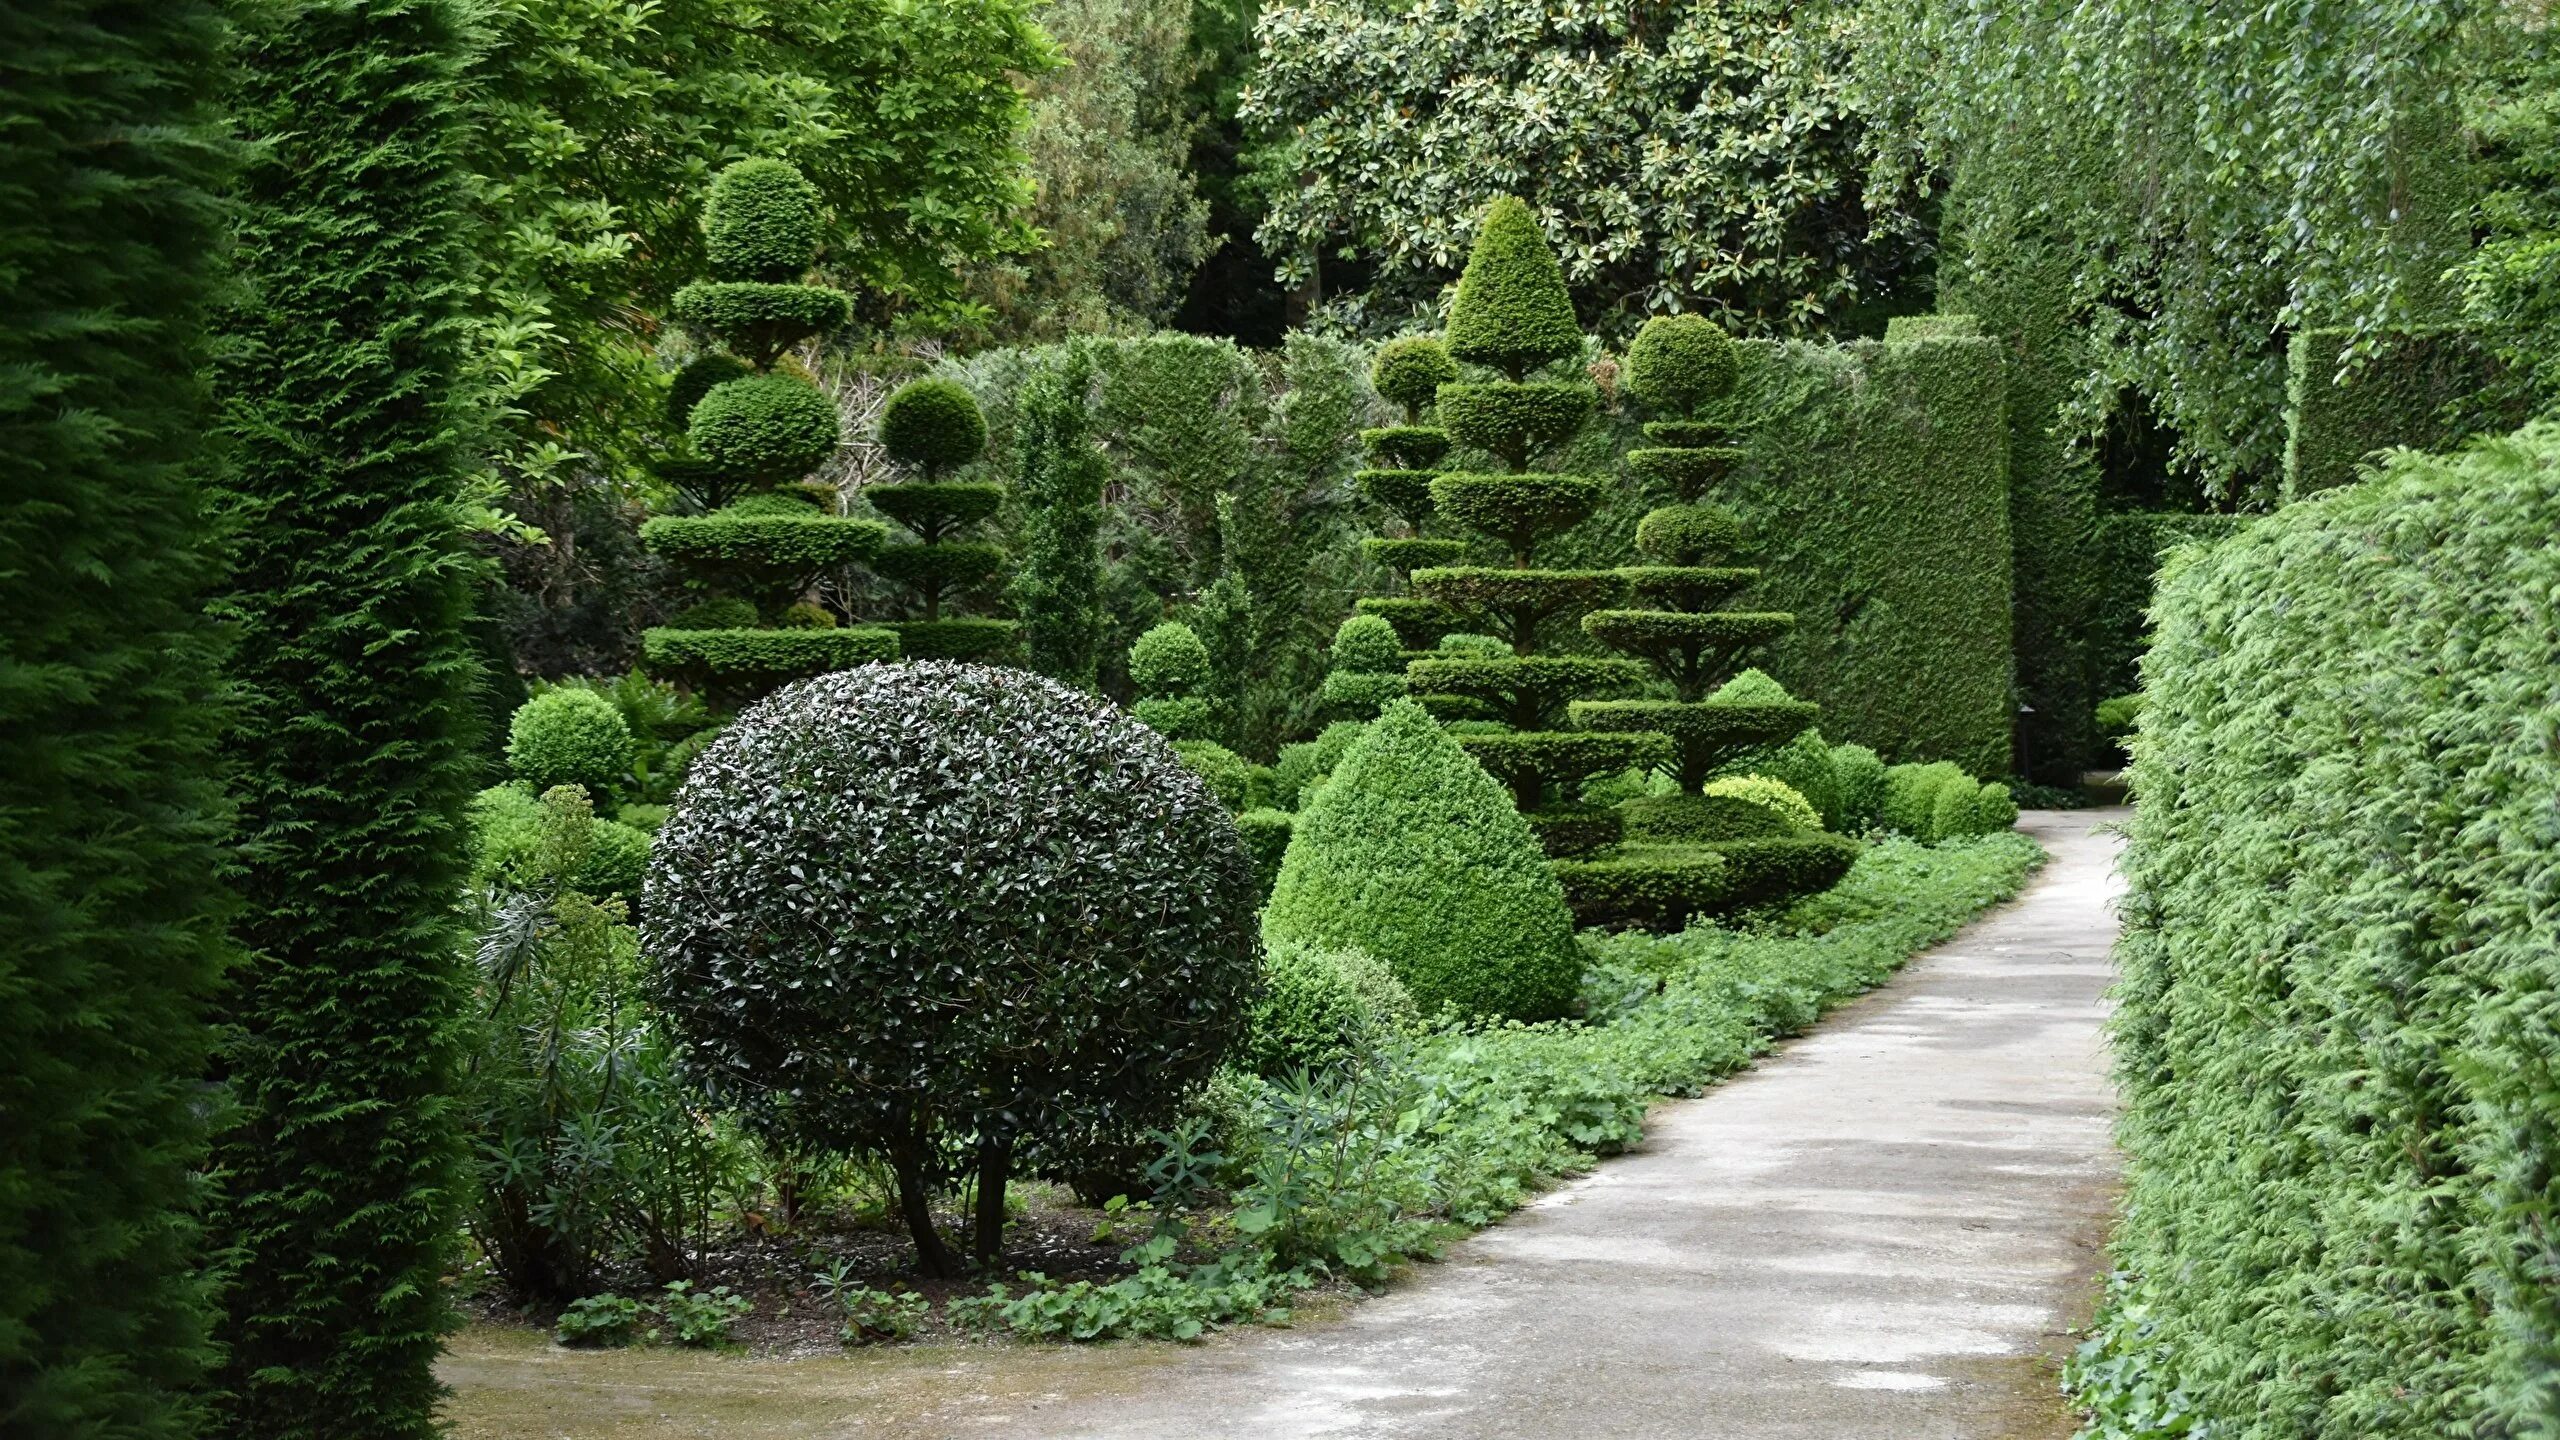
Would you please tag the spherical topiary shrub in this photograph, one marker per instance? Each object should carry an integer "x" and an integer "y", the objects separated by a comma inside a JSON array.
[
  {"x": 1409, "y": 372},
  {"x": 1320, "y": 1008},
  {"x": 1688, "y": 534},
  {"x": 1412, "y": 853},
  {"x": 948, "y": 914},
  {"x": 1859, "y": 772},
  {"x": 1169, "y": 660},
  {"x": 1227, "y": 773},
  {"x": 761, "y": 222},
  {"x": 1679, "y": 362},
  {"x": 569, "y": 737},
  {"x": 698, "y": 378},
  {"x": 767, "y": 427},
  {"x": 933, "y": 425}
]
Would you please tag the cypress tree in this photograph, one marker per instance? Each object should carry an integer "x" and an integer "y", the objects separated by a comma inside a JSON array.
[
  {"x": 1058, "y": 590},
  {"x": 353, "y": 744},
  {"x": 110, "y": 922}
]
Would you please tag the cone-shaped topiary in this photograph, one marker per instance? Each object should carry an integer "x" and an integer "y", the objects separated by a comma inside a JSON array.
[
  {"x": 753, "y": 430},
  {"x": 934, "y": 426},
  {"x": 1412, "y": 853},
  {"x": 1512, "y": 311}
]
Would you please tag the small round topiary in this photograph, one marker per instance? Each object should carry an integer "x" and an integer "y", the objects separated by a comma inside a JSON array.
[
  {"x": 1320, "y": 1008},
  {"x": 1680, "y": 362},
  {"x": 725, "y": 612},
  {"x": 1775, "y": 796},
  {"x": 761, "y": 221},
  {"x": 1367, "y": 645},
  {"x": 933, "y": 425},
  {"x": 1169, "y": 661},
  {"x": 1228, "y": 775},
  {"x": 1688, "y": 534},
  {"x": 696, "y": 379},
  {"x": 1409, "y": 372},
  {"x": 766, "y": 428},
  {"x": 1860, "y": 773},
  {"x": 569, "y": 737},
  {"x": 949, "y": 914}
]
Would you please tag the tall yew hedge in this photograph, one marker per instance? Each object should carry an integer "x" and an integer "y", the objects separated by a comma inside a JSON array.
[
  {"x": 351, "y": 749},
  {"x": 110, "y": 927}
]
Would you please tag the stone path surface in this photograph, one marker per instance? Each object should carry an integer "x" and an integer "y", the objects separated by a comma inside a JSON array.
[{"x": 1883, "y": 1232}]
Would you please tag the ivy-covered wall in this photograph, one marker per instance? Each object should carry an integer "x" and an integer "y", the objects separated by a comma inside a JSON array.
[{"x": 2399, "y": 396}]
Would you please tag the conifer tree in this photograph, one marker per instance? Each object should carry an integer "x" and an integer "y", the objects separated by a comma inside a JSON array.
[
  {"x": 1408, "y": 373},
  {"x": 1058, "y": 590},
  {"x": 1512, "y": 315},
  {"x": 353, "y": 749},
  {"x": 111, "y": 918},
  {"x": 933, "y": 427}
]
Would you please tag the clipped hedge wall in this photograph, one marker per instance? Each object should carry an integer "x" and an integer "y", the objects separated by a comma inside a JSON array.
[
  {"x": 2338, "y": 1031},
  {"x": 2127, "y": 548},
  {"x": 2399, "y": 396}
]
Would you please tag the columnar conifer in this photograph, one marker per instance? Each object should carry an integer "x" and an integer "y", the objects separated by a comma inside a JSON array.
[{"x": 1058, "y": 590}]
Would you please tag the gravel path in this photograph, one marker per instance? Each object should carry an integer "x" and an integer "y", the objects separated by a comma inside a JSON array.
[{"x": 1884, "y": 1230}]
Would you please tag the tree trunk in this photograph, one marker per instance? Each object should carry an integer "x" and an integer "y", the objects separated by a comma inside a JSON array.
[
  {"x": 995, "y": 1163},
  {"x": 915, "y": 1202}
]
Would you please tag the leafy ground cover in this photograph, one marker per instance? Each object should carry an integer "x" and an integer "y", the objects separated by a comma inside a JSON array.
[{"x": 1273, "y": 1190}]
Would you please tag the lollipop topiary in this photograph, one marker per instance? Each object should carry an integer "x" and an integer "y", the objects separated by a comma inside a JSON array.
[
  {"x": 933, "y": 427},
  {"x": 1512, "y": 313},
  {"x": 751, "y": 431},
  {"x": 1170, "y": 668},
  {"x": 954, "y": 916}
]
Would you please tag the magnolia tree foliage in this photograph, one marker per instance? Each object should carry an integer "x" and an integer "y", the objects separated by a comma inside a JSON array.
[{"x": 1682, "y": 158}]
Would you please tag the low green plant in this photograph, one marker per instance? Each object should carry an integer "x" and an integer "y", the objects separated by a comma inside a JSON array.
[
  {"x": 871, "y": 1316},
  {"x": 1229, "y": 775},
  {"x": 1858, "y": 774},
  {"x": 1321, "y": 1008},
  {"x": 606, "y": 1319},
  {"x": 701, "y": 1319},
  {"x": 1776, "y": 797}
]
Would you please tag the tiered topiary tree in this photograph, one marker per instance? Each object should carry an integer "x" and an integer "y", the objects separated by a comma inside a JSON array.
[
  {"x": 1512, "y": 315},
  {"x": 1170, "y": 668},
  {"x": 1408, "y": 373},
  {"x": 755, "y": 428},
  {"x": 934, "y": 427},
  {"x": 1684, "y": 365},
  {"x": 1367, "y": 668}
]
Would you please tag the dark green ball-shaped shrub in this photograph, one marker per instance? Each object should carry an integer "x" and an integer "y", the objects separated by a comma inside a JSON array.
[
  {"x": 697, "y": 379},
  {"x": 569, "y": 737},
  {"x": 761, "y": 221},
  {"x": 1512, "y": 310},
  {"x": 721, "y": 613},
  {"x": 1859, "y": 773},
  {"x": 766, "y": 427},
  {"x": 1169, "y": 660},
  {"x": 933, "y": 425},
  {"x": 1409, "y": 372},
  {"x": 1228, "y": 775},
  {"x": 1680, "y": 362},
  {"x": 1320, "y": 1008},
  {"x": 1688, "y": 535},
  {"x": 935, "y": 912},
  {"x": 1411, "y": 852}
]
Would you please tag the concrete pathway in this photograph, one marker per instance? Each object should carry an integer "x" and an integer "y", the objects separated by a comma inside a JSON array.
[{"x": 1883, "y": 1232}]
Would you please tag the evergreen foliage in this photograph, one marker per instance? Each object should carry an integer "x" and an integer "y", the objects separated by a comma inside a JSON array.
[
  {"x": 1320, "y": 1008},
  {"x": 1170, "y": 668},
  {"x": 1512, "y": 311},
  {"x": 1085, "y": 905},
  {"x": 761, "y": 221},
  {"x": 1412, "y": 854},
  {"x": 1058, "y": 588},
  {"x": 336, "y": 1182},
  {"x": 933, "y": 425},
  {"x": 2349, "y": 396},
  {"x": 1367, "y": 669},
  {"x": 2335, "y": 1034},
  {"x": 111, "y": 222},
  {"x": 570, "y": 736}
]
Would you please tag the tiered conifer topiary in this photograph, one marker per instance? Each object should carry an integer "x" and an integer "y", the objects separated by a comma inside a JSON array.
[
  {"x": 934, "y": 427},
  {"x": 1512, "y": 315},
  {"x": 754, "y": 428},
  {"x": 1408, "y": 373},
  {"x": 1366, "y": 670},
  {"x": 1685, "y": 365}
]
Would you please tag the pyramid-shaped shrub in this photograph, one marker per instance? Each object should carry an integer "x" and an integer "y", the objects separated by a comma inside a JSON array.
[{"x": 1413, "y": 854}]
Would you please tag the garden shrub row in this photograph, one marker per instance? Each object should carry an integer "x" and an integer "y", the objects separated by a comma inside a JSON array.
[{"x": 2337, "y": 1030}]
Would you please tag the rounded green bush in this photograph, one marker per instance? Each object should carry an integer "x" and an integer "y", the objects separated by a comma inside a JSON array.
[
  {"x": 1688, "y": 534},
  {"x": 1169, "y": 661},
  {"x": 617, "y": 862},
  {"x": 1228, "y": 775},
  {"x": 1303, "y": 765},
  {"x": 1367, "y": 645},
  {"x": 696, "y": 379},
  {"x": 1911, "y": 796},
  {"x": 1359, "y": 694},
  {"x": 1409, "y": 372},
  {"x": 1992, "y": 811},
  {"x": 924, "y": 911},
  {"x": 1408, "y": 447},
  {"x": 1412, "y": 853},
  {"x": 1680, "y": 362},
  {"x": 507, "y": 825},
  {"x": 1803, "y": 764},
  {"x": 1265, "y": 831},
  {"x": 806, "y": 615},
  {"x": 1698, "y": 819},
  {"x": 1779, "y": 798},
  {"x": 1177, "y": 717},
  {"x": 1320, "y": 1008},
  {"x": 933, "y": 425},
  {"x": 569, "y": 737},
  {"x": 1860, "y": 776},
  {"x": 762, "y": 221},
  {"x": 766, "y": 428},
  {"x": 720, "y": 613},
  {"x": 1512, "y": 310}
]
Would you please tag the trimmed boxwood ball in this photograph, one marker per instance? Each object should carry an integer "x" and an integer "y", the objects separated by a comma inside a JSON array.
[
  {"x": 1320, "y": 1008},
  {"x": 1169, "y": 660},
  {"x": 1228, "y": 775},
  {"x": 761, "y": 221},
  {"x": 696, "y": 380},
  {"x": 1680, "y": 362},
  {"x": 569, "y": 737},
  {"x": 1411, "y": 852},
  {"x": 1688, "y": 535},
  {"x": 1512, "y": 310},
  {"x": 949, "y": 914},
  {"x": 933, "y": 425},
  {"x": 1409, "y": 372},
  {"x": 765, "y": 427},
  {"x": 1367, "y": 644},
  {"x": 1177, "y": 717}
]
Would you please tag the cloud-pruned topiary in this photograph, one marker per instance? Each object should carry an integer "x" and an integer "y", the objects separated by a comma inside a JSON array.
[
  {"x": 1680, "y": 362},
  {"x": 1412, "y": 853},
  {"x": 933, "y": 425},
  {"x": 765, "y": 428},
  {"x": 1409, "y": 373},
  {"x": 949, "y": 914},
  {"x": 1512, "y": 310},
  {"x": 570, "y": 737},
  {"x": 1170, "y": 668},
  {"x": 761, "y": 222},
  {"x": 1321, "y": 1007}
]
